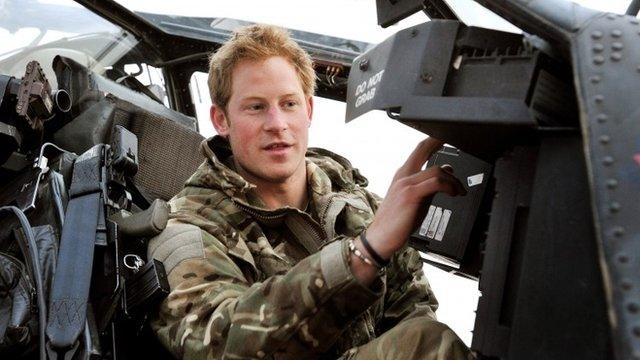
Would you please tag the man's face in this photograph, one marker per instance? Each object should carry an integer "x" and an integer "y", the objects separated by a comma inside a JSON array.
[{"x": 266, "y": 121}]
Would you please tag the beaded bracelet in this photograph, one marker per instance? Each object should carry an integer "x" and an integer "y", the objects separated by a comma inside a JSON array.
[{"x": 352, "y": 248}]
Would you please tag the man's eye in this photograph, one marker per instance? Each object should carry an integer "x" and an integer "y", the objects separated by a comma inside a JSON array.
[
  {"x": 255, "y": 107},
  {"x": 290, "y": 104}
]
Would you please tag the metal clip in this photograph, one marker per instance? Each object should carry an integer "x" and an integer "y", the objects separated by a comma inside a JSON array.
[{"x": 137, "y": 262}]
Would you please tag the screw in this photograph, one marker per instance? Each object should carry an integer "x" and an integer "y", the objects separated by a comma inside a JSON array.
[
  {"x": 364, "y": 65},
  {"x": 426, "y": 77},
  {"x": 414, "y": 32}
]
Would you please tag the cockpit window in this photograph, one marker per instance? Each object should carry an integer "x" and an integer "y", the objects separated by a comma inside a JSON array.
[{"x": 41, "y": 29}]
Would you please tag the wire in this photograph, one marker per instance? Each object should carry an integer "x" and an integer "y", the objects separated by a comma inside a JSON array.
[{"x": 33, "y": 253}]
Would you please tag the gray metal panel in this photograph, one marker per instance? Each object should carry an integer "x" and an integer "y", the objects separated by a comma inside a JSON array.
[
  {"x": 605, "y": 51},
  {"x": 552, "y": 20},
  {"x": 371, "y": 85},
  {"x": 606, "y": 61}
]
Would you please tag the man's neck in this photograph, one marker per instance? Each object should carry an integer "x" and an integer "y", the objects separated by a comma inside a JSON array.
[
  {"x": 292, "y": 192},
  {"x": 275, "y": 196}
]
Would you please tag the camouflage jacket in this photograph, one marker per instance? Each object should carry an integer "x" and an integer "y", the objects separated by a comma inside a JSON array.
[{"x": 247, "y": 282}]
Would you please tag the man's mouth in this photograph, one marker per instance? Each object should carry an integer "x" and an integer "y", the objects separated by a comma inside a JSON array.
[{"x": 277, "y": 146}]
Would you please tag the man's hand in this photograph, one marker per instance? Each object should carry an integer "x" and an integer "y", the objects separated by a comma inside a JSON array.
[{"x": 398, "y": 212}]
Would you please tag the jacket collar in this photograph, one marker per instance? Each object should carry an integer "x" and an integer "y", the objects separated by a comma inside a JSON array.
[{"x": 327, "y": 172}]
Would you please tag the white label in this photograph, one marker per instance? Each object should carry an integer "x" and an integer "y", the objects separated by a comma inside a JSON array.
[
  {"x": 442, "y": 227},
  {"x": 434, "y": 224},
  {"x": 427, "y": 220},
  {"x": 367, "y": 89},
  {"x": 474, "y": 180}
]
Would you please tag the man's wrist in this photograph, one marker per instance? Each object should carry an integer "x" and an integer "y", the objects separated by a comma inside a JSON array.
[
  {"x": 378, "y": 243},
  {"x": 379, "y": 259}
]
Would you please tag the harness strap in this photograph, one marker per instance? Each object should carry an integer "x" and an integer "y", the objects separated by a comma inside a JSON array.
[{"x": 71, "y": 282}]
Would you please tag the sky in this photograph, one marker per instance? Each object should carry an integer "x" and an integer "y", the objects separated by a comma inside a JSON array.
[{"x": 374, "y": 143}]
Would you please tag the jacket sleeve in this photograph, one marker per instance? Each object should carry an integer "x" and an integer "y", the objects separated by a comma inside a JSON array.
[
  {"x": 215, "y": 311},
  {"x": 408, "y": 293}
]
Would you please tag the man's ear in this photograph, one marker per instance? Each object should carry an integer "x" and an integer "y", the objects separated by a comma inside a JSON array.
[
  {"x": 219, "y": 120},
  {"x": 310, "y": 109}
]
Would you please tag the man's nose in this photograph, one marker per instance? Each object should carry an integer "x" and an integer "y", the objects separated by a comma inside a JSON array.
[{"x": 276, "y": 120}]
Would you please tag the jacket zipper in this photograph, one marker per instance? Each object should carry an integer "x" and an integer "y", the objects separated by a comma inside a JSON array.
[
  {"x": 323, "y": 210},
  {"x": 317, "y": 233}
]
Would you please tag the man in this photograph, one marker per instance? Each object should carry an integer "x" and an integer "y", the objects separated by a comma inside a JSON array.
[{"x": 265, "y": 251}]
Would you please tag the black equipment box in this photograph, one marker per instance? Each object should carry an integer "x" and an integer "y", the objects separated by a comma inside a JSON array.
[{"x": 446, "y": 230}]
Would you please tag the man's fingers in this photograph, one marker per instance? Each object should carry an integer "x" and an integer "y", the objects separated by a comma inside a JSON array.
[
  {"x": 446, "y": 184},
  {"x": 425, "y": 149},
  {"x": 440, "y": 175}
]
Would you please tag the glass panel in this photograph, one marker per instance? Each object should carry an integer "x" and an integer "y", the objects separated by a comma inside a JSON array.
[
  {"x": 202, "y": 101},
  {"x": 33, "y": 30}
]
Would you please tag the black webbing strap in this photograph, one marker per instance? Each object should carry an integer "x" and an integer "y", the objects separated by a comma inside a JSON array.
[{"x": 70, "y": 291}]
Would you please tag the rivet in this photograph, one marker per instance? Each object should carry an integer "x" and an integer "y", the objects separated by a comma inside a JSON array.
[
  {"x": 616, "y": 56},
  {"x": 614, "y": 207},
  {"x": 602, "y": 118},
  {"x": 616, "y": 33},
  {"x": 617, "y": 46},
  {"x": 626, "y": 285},
  {"x": 604, "y": 139},
  {"x": 634, "y": 21},
  {"x": 598, "y": 59},
  {"x": 598, "y": 98},
  {"x": 364, "y": 65},
  {"x": 618, "y": 231},
  {"x": 595, "y": 79},
  {"x": 623, "y": 259},
  {"x": 612, "y": 183},
  {"x": 636, "y": 331},
  {"x": 633, "y": 308},
  {"x": 638, "y": 69},
  {"x": 414, "y": 32},
  {"x": 596, "y": 35},
  {"x": 598, "y": 47},
  {"x": 607, "y": 160},
  {"x": 611, "y": 16}
]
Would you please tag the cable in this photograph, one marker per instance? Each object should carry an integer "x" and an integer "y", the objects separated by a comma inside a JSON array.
[{"x": 33, "y": 253}]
